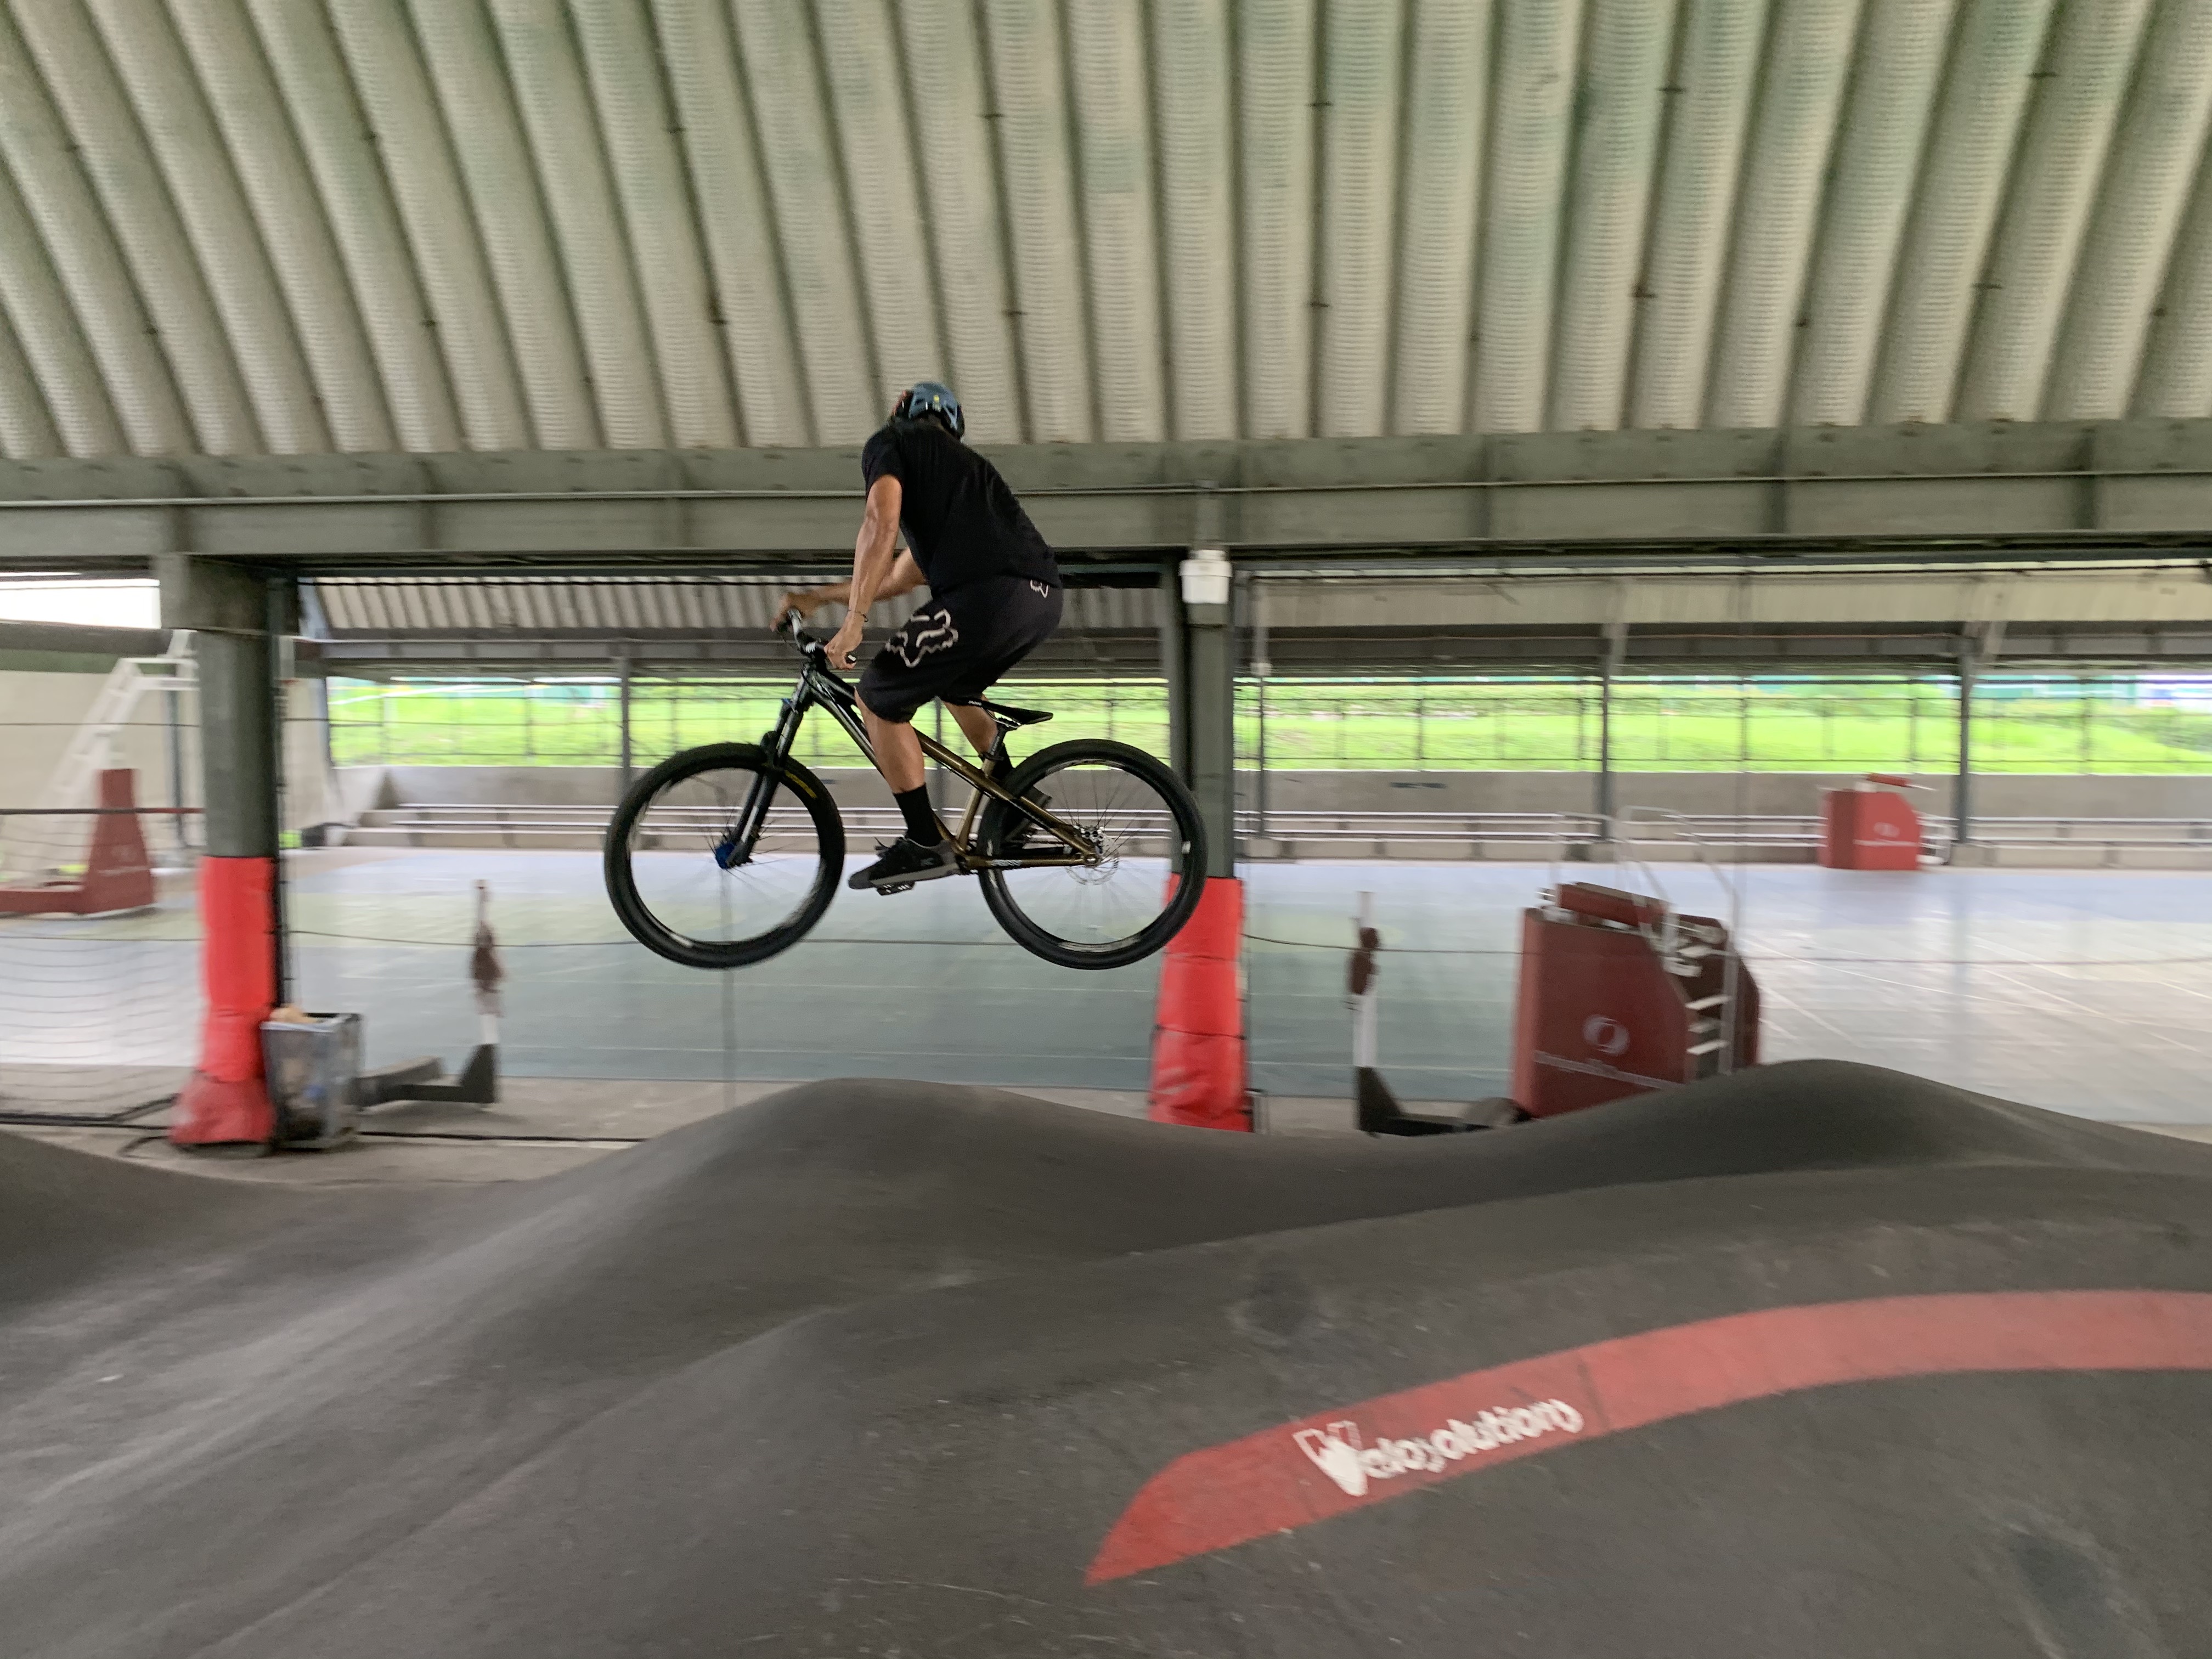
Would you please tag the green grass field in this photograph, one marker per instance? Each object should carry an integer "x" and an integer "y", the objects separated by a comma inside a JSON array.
[{"x": 1522, "y": 727}]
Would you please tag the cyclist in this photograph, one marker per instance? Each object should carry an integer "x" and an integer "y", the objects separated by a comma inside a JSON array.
[{"x": 994, "y": 592}]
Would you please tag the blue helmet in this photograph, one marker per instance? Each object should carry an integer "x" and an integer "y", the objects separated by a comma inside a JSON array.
[{"x": 933, "y": 397}]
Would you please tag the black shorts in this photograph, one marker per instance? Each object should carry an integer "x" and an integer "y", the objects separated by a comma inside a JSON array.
[{"x": 957, "y": 648}]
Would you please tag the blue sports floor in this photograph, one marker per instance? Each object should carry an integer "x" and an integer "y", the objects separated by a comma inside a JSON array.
[{"x": 2089, "y": 992}]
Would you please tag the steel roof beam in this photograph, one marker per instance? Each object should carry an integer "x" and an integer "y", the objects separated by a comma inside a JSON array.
[{"x": 2113, "y": 490}]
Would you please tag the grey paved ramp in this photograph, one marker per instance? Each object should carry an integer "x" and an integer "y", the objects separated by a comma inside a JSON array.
[{"x": 1819, "y": 1359}]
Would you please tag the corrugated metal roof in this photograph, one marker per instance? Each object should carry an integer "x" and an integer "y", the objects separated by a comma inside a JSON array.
[
  {"x": 703, "y": 609},
  {"x": 696, "y": 607},
  {"x": 241, "y": 227},
  {"x": 401, "y": 607}
]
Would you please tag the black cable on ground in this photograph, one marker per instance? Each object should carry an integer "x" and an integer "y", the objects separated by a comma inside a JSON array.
[
  {"x": 458, "y": 1137},
  {"x": 588, "y": 943},
  {"x": 1321, "y": 945},
  {"x": 83, "y": 1120}
]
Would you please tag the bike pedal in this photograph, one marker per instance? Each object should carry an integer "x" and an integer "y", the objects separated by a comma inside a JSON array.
[{"x": 897, "y": 887}]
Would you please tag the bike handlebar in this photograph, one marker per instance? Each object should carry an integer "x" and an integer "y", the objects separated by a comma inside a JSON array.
[{"x": 813, "y": 648}]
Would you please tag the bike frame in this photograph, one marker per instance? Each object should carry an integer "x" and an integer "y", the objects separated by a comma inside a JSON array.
[{"x": 819, "y": 687}]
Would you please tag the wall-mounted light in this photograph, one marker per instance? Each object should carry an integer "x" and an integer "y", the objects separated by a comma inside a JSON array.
[{"x": 1205, "y": 575}]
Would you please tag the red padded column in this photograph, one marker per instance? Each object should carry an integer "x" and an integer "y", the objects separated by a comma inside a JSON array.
[
  {"x": 1198, "y": 1035},
  {"x": 227, "y": 1102}
]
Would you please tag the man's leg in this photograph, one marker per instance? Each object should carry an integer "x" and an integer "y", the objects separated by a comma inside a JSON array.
[
  {"x": 898, "y": 752},
  {"x": 981, "y": 729},
  {"x": 924, "y": 853},
  {"x": 983, "y": 732},
  {"x": 898, "y": 757}
]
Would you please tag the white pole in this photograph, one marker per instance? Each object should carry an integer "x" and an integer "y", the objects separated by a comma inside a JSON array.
[
  {"x": 485, "y": 970},
  {"x": 1365, "y": 1007}
]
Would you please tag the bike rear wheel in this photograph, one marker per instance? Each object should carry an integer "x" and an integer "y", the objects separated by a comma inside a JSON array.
[
  {"x": 1147, "y": 880},
  {"x": 671, "y": 890}
]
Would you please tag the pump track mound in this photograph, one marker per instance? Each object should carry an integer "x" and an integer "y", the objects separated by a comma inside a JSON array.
[{"x": 1815, "y": 1359}]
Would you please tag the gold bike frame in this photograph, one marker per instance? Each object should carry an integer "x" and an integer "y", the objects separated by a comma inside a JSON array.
[
  {"x": 820, "y": 688},
  {"x": 983, "y": 784}
]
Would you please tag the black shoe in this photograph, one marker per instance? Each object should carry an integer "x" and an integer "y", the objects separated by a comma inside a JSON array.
[{"x": 903, "y": 863}]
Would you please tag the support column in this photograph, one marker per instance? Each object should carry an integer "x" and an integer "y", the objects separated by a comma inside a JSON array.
[
  {"x": 1176, "y": 671},
  {"x": 623, "y": 671},
  {"x": 1262, "y": 667},
  {"x": 1198, "y": 1071},
  {"x": 236, "y": 614},
  {"x": 1605, "y": 803},
  {"x": 1616, "y": 652},
  {"x": 172, "y": 697},
  {"x": 1982, "y": 645},
  {"x": 1210, "y": 702},
  {"x": 1962, "y": 788}
]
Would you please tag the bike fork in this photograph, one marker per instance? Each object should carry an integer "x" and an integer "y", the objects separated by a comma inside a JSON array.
[{"x": 735, "y": 846}]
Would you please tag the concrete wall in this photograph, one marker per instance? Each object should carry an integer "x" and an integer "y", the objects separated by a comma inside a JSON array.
[{"x": 1763, "y": 793}]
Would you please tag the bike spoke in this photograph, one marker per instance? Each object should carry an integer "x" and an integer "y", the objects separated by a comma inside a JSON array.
[
  {"x": 1133, "y": 827},
  {"x": 682, "y": 884}
]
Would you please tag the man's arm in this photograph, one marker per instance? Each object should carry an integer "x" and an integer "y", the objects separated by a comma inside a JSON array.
[
  {"x": 874, "y": 553},
  {"x": 877, "y": 571},
  {"x": 905, "y": 577}
]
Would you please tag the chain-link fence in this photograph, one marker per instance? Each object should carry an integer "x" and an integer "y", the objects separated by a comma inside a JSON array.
[
  {"x": 100, "y": 831},
  {"x": 578, "y": 721},
  {"x": 2110, "y": 724},
  {"x": 2046, "y": 724}
]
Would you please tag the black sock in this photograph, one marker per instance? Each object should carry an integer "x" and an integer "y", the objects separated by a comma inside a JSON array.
[{"x": 921, "y": 825}]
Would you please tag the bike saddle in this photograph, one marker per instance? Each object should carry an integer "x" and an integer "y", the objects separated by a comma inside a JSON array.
[{"x": 1005, "y": 716}]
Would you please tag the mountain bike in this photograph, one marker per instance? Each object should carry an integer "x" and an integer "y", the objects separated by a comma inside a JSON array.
[{"x": 1089, "y": 853}]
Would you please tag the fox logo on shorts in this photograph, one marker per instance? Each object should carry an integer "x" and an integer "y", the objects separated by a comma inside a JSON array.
[{"x": 926, "y": 633}]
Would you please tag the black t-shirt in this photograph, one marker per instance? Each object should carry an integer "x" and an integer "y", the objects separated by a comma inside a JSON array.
[{"x": 962, "y": 523}]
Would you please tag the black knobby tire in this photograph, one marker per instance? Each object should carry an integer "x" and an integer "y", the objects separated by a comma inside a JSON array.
[
  {"x": 656, "y": 932},
  {"x": 1181, "y": 848}
]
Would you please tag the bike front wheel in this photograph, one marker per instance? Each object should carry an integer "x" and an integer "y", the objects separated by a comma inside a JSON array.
[
  {"x": 673, "y": 870},
  {"x": 1149, "y": 867}
]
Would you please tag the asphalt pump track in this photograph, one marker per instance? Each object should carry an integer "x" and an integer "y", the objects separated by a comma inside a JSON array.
[{"x": 1817, "y": 1358}]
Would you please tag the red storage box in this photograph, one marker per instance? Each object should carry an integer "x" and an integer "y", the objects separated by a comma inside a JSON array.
[
  {"x": 1869, "y": 828},
  {"x": 1603, "y": 1011}
]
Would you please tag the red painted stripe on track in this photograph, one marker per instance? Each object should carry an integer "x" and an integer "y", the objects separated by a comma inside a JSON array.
[{"x": 1350, "y": 1456}]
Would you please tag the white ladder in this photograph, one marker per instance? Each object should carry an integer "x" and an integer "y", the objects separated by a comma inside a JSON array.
[
  {"x": 92, "y": 744},
  {"x": 74, "y": 780}
]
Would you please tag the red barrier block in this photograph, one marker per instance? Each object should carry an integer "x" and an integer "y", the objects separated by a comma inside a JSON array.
[
  {"x": 1869, "y": 830},
  {"x": 1598, "y": 1016},
  {"x": 227, "y": 1101},
  {"x": 117, "y": 873},
  {"x": 1199, "y": 1075}
]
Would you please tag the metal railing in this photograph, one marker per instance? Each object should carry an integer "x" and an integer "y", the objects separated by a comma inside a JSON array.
[
  {"x": 1292, "y": 834},
  {"x": 2097, "y": 832},
  {"x": 1533, "y": 828}
]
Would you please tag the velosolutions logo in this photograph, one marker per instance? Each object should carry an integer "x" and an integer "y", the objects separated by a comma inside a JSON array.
[{"x": 1337, "y": 1453}]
